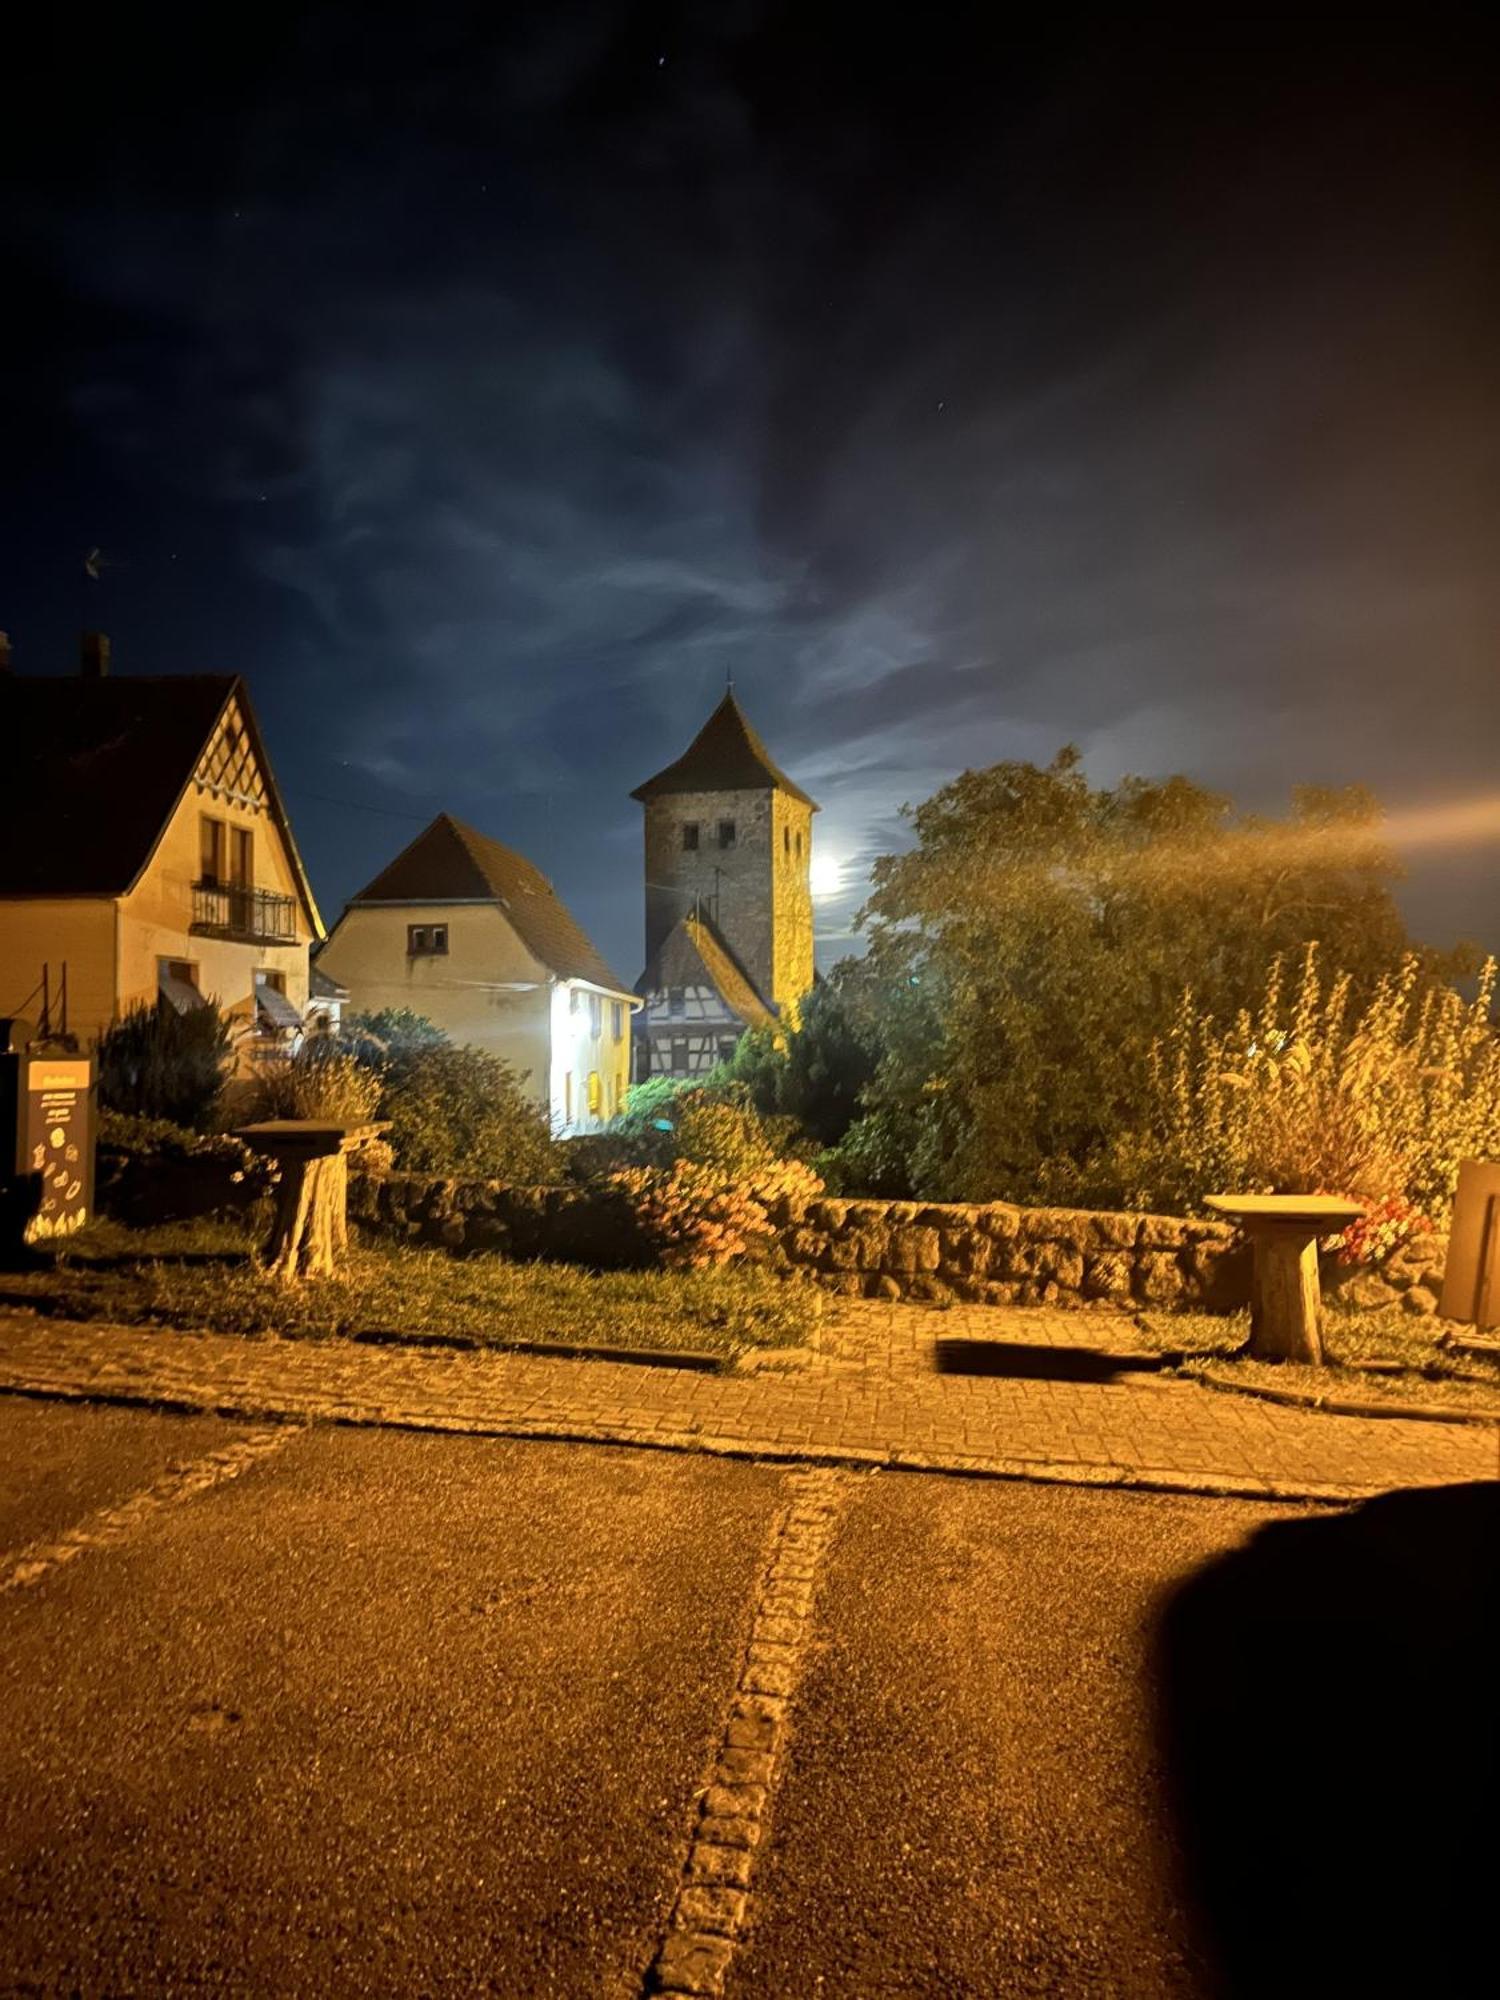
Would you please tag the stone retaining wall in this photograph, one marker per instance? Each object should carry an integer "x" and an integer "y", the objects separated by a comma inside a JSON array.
[{"x": 992, "y": 1253}]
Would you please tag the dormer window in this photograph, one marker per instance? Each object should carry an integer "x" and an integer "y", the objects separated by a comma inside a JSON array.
[
  {"x": 690, "y": 836},
  {"x": 726, "y": 833}
]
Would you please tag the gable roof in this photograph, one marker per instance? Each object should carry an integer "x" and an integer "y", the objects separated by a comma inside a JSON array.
[
  {"x": 725, "y": 756},
  {"x": 449, "y": 862},
  {"x": 91, "y": 770},
  {"x": 693, "y": 954}
]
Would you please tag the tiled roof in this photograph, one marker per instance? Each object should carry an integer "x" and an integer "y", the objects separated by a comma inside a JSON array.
[
  {"x": 450, "y": 863},
  {"x": 725, "y": 756},
  {"x": 693, "y": 954},
  {"x": 91, "y": 770}
]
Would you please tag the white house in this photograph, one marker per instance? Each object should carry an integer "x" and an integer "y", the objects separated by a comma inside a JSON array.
[{"x": 469, "y": 934}]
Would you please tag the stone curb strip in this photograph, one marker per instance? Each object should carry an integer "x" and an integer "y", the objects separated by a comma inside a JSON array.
[
  {"x": 304, "y": 1411},
  {"x": 713, "y": 1897},
  {"x": 1335, "y": 1406},
  {"x": 116, "y": 1524}
]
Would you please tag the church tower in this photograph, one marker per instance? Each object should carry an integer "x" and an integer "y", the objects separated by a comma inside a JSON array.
[{"x": 729, "y": 930}]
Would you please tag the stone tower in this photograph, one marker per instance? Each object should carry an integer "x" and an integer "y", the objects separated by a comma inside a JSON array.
[{"x": 728, "y": 878}]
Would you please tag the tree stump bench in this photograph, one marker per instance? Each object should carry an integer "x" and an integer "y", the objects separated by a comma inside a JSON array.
[
  {"x": 310, "y": 1230},
  {"x": 1286, "y": 1299}
]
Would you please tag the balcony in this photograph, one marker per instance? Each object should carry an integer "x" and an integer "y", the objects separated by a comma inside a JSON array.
[{"x": 250, "y": 916}]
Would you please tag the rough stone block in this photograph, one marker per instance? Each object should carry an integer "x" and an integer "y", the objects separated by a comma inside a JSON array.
[
  {"x": 1419, "y": 1301},
  {"x": 744, "y": 1767},
  {"x": 1061, "y": 1262},
  {"x": 1162, "y": 1232},
  {"x": 1158, "y": 1278},
  {"x": 711, "y": 1863},
  {"x": 1041, "y": 1225},
  {"x": 883, "y": 1287},
  {"x": 1107, "y": 1274}
]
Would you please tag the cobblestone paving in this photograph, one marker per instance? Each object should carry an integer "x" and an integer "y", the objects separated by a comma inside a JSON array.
[{"x": 872, "y": 1395}]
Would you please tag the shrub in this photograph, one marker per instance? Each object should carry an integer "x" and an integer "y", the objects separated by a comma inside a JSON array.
[
  {"x": 389, "y": 1036},
  {"x": 150, "y": 1170},
  {"x": 322, "y": 1080},
  {"x": 1299, "y": 1099},
  {"x": 465, "y": 1111},
  {"x": 712, "y": 1202},
  {"x": 157, "y": 1063}
]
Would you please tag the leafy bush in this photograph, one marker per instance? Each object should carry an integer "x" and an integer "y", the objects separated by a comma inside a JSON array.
[
  {"x": 465, "y": 1111},
  {"x": 322, "y": 1080},
  {"x": 389, "y": 1036},
  {"x": 159, "y": 1064},
  {"x": 814, "y": 1073},
  {"x": 150, "y": 1170},
  {"x": 1299, "y": 1098},
  {"x": 711, "y": 1203}
]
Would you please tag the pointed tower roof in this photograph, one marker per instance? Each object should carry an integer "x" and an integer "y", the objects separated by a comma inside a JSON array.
[{"x": 725, "y": 756}]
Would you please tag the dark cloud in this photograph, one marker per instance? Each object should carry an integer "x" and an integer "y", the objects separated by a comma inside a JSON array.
[{"x": 488, "y": 389}]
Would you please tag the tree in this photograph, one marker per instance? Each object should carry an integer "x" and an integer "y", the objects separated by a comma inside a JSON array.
[
  {"x": 1038, "y": 935},
  {"x": 814, "y": 1073}
]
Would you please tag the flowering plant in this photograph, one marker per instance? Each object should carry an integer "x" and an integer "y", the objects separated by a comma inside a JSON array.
[
  {"x": 1381, "y": 1231},
  {"x": 712, "y": 1203}
]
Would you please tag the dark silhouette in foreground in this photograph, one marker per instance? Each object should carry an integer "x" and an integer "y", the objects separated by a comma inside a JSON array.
[{"x": 1329, "y": 1713}]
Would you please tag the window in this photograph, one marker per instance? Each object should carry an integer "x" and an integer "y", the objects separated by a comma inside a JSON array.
[
  {"x": 617, "y": 1019},
  {"x": 426, "y": 940},
  {"x": 212, "y": 836},
  {"x": 568, "y": 1098},
  {"x": 786, "y": 840},
  {"x": 596, "y": 1093},
  {"x": 275, "y": 980},
  {"x": 676, "y": 1000},
  {"x": 575, "y": 999},
  {"x": 726, "y": 833},
  {"x": 799, "y": 847},
  {"x": 242, "y": 856},
  {"x": 596, "y": 1013},
  {"x": 679, "y": 1055},
  {"x": 690, "y": 836},
  {"x": 727, "y": 1047}
]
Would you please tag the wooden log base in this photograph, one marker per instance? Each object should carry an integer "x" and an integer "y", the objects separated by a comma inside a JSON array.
[{"x": 310, "y": 1231}]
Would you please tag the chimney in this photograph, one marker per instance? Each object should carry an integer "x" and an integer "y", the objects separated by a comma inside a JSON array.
[
  {"x": 94, "y": 660},
  {"x": 5, "y": 660}
]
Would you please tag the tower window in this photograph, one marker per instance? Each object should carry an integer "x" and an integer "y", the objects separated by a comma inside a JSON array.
[
  {"x": 799, "y": 847},
  {"x": 690, "y": 836},
  {"x": 786, "y": 840},
  {"x": 726, "y": 833}
]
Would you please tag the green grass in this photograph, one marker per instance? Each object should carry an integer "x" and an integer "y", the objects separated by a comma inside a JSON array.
[
  {"x": 1416, "y": 1365},
  {"x": 206, "y": 1276}
]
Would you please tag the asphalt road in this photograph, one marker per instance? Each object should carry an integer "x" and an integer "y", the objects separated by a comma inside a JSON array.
[{"x": 385, "y": 1713}]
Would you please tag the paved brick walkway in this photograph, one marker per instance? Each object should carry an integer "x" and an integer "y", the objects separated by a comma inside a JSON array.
[{"x": 873, "y": 1395}]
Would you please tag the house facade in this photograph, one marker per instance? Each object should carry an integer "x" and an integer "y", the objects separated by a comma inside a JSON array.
[
  {"x": 146, "y": 856},
  {"x": 729, "y": 923},
  {"x": 467, "y": 933}
]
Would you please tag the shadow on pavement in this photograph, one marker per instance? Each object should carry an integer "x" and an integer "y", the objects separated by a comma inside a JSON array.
[
  {"x": 1329, "y": 1698},
  {"x": 1036, "y": 1362}
]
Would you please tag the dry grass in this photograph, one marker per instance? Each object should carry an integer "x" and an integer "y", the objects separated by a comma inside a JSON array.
[{"x": 207, "y": 1275}]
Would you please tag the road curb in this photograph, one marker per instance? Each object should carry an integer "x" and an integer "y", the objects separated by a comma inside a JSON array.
[
  {"x": 1306, "y": 1399},
  {"x": 1036, "y": 1472}
]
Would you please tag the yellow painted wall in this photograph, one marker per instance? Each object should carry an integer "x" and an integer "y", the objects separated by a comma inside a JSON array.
[
  {"x": 75, "y": 931},
  {"x": 463, "y": 991},
  {"x": 156, "y": 916}
]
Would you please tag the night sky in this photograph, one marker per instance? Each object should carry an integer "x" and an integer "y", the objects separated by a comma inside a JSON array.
[{"x": 487, "y": 385}]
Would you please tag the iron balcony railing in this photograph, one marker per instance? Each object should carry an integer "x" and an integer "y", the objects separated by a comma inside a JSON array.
[{"x": 235, "y": 910}]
